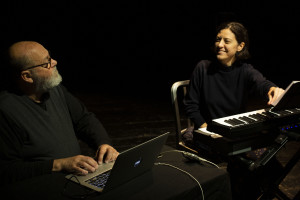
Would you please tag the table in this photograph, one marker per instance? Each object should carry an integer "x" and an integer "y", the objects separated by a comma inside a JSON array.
[{"x": 162, "y": 182}]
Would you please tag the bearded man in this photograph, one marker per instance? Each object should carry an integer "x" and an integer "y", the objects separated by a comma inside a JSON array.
[{"x": 40, "y": 121}]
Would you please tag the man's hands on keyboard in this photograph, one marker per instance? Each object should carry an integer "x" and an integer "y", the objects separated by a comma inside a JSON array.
[{"x": 79, "y": 164}]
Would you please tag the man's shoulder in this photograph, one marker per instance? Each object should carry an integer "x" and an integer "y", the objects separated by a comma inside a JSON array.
[
  {"x": 6, "y": 96},
  {"x": 8, "y": 99}
]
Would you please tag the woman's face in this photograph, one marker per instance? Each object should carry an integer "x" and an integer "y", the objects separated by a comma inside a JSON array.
[{"x": 226, "y": 47}]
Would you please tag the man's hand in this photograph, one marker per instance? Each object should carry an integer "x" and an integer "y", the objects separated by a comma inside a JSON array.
[
  {"x": 108, "y": 151},
  {"x": 78, "y": 164},
  {"x": 84, "y": 164},
  {"x": 274, "y": 93}
]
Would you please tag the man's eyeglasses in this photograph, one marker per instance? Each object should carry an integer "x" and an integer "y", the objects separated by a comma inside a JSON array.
[{"x": 44, "y": 65}]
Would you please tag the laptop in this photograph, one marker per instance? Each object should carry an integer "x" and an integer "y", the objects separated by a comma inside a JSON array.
[{"x": 130, "y": 164}]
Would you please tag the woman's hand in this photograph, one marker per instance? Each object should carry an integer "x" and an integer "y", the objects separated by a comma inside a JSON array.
[{"x": 274, "y": 93}]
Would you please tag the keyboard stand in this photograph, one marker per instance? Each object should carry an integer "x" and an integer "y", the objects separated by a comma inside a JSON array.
[
  {"x": 277, "y": 138},
  {"x": 273, "y": 189},
  {"x": 270, "y": 152}
]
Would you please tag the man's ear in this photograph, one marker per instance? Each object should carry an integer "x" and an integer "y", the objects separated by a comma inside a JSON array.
[
  {"x": 241, "y": 46},
  {"x": 26, "y": 76}
]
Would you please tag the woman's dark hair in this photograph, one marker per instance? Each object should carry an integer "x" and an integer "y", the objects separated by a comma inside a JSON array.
[{"x": 241, "y": 35}]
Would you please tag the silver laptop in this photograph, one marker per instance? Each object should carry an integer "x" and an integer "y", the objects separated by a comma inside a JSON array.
[{"x": 129, "y": 165}]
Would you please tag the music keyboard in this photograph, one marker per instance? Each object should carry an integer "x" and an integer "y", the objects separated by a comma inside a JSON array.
[
  {"x": 213, "y": 142},
  {"x": 254, "y": 121}
]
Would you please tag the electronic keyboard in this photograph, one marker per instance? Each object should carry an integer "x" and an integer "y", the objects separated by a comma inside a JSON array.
[{"x": 255, "y": 121}]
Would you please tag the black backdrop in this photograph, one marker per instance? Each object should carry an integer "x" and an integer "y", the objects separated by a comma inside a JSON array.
[{"x": 142, "y": 46}]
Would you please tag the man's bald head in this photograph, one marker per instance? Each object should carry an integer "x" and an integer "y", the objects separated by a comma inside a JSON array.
[{"x": 21, "y": 54}]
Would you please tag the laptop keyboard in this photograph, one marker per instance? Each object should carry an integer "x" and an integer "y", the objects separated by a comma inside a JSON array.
[{"x": 99, "y": 180}]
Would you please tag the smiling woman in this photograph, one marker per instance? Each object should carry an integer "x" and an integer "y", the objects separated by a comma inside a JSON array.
[
  {"x": 222, "y": 86},
  {"x": 227, "y": 47},
  {"x": 232, "y": 43}
]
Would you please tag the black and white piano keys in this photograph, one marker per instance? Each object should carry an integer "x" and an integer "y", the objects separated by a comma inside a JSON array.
[
  {"x": 249, "y": 122},
  {"x": 248, "y": 131}
]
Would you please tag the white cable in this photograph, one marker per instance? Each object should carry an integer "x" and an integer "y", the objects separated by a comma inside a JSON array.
[
  {"x": 212, "y": 163},
  {"x": 166, "y": 164},
  {"x": 184, "y": 152},
  {"x": 178, "y": 151},
  {"x": 174, "y": 150}
]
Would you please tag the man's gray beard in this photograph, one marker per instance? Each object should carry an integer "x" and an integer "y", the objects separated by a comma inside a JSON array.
[{"x": 43, "y": 85}]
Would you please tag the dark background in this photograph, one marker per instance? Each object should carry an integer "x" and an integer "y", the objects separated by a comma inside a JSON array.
[
  {"x": 142, "y": 47},
  {"x": 136, "y": 50}
]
